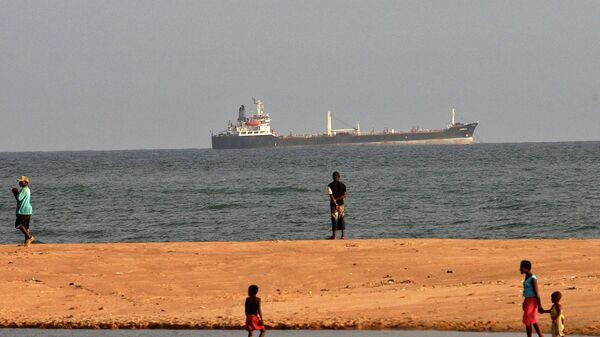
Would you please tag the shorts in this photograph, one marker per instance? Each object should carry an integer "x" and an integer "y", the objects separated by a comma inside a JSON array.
[
  {"x": 253, "y": 323},
  {"x": 337, "y": 218},
  {"x": 23, "y": 219}
]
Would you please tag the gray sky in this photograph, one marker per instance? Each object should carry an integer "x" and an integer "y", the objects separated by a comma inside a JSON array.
[{"x": 87, "y": 75}]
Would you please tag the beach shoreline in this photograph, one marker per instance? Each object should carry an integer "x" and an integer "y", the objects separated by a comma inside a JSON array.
[{"x": 424, "y": 284}]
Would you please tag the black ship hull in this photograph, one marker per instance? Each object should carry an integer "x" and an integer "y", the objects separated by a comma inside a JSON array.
[
  {"x": 457, "y": 134},
  {"x": 243, "y": 142}
]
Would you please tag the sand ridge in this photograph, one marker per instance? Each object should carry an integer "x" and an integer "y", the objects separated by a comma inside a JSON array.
[{"x": 359, "y": 284}]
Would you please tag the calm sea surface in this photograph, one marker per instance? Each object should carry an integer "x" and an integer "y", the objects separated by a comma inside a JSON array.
[{"x": 540, "y": 190}]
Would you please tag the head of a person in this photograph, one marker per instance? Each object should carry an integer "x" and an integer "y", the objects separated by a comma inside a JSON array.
[
  {"x": 555, "y": 297},
  {"x": 525, "y": 267},
  {"x": 252, "y": 290},
  {"x": 23, "y": 181},
  {"x": 336, "y": 176}
]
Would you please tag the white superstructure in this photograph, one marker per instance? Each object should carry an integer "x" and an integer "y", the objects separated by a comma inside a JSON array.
[{"x": 259, "y": 123}]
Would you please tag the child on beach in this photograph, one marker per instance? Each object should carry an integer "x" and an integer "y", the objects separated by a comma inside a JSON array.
[
  {"x": 254, "y": 317},
  {"x": 24, "y": 209},
  {"x": 556, "y": 313},
  {"x": 532, "y": 303}
]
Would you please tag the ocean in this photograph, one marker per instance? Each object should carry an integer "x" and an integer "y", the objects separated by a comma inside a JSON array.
[{"x": 485, "y": 191}]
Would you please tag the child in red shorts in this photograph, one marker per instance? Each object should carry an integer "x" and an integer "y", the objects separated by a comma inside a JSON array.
[{"x": 254, "y": 317}]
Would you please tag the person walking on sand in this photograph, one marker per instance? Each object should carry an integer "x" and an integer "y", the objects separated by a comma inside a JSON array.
[
  {"x": 24, "y": 209},
  {"x": 254, "y": 317},
  {"x": 556, "y": 313},
  {"x": 532, "y": 303},
  {"x": 337, "y": 193}
]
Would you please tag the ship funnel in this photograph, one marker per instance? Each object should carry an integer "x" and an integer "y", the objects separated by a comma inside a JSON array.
[
  {"x": 329, "y": 130},
  {"x": 242, "y": 114}
]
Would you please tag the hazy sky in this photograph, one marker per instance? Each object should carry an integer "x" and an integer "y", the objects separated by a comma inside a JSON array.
[{"x": 87, "y": 75}]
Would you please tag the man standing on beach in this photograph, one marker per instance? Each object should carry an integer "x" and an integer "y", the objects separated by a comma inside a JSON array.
[
  {"x": 24, "y": 209},
  {"x": 337, "y": 194}
]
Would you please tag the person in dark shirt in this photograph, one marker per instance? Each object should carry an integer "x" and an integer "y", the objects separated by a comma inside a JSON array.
[
  {"x": 337, "y": 193},
  {"x": 254, "y": 317}
]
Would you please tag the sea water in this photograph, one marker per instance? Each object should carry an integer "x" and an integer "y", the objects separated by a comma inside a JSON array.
[{"x": 527, "y": 190}]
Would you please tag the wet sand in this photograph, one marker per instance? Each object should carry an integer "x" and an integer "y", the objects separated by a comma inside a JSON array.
[
  {"x": 467, "y": 285},
  {"x": 236, "y": 333}
]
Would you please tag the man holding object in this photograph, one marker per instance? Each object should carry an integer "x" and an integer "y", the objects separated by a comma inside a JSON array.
[
  {"x": 24, "y": 209},
  {"x": 337, "y": 194}
]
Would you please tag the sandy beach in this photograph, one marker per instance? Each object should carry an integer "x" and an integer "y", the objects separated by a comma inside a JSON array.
[{"x": 356, "y": 284}]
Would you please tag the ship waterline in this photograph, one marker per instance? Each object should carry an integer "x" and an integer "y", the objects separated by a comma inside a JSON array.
[{"x": 256, "y": 132}]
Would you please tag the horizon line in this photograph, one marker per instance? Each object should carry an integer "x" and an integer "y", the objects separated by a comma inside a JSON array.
[{"x": 209, "y": 148}]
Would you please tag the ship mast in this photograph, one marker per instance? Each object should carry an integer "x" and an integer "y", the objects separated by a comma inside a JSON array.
[
  {"x": 332, "y": 132},
  {"x": 259, "y": 106}
]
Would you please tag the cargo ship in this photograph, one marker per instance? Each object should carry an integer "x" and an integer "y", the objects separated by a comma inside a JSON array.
[{"x": 255, "y": 132}]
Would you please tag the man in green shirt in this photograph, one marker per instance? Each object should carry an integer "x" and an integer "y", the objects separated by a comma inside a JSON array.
[{"x": 24, "y": 209}]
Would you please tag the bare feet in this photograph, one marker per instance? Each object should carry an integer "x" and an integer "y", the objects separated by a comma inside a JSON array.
[
  {"x": 343, "y": 237},
  {"x": 331, "y": 238},
  {"x": 30, "y": 240}
]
